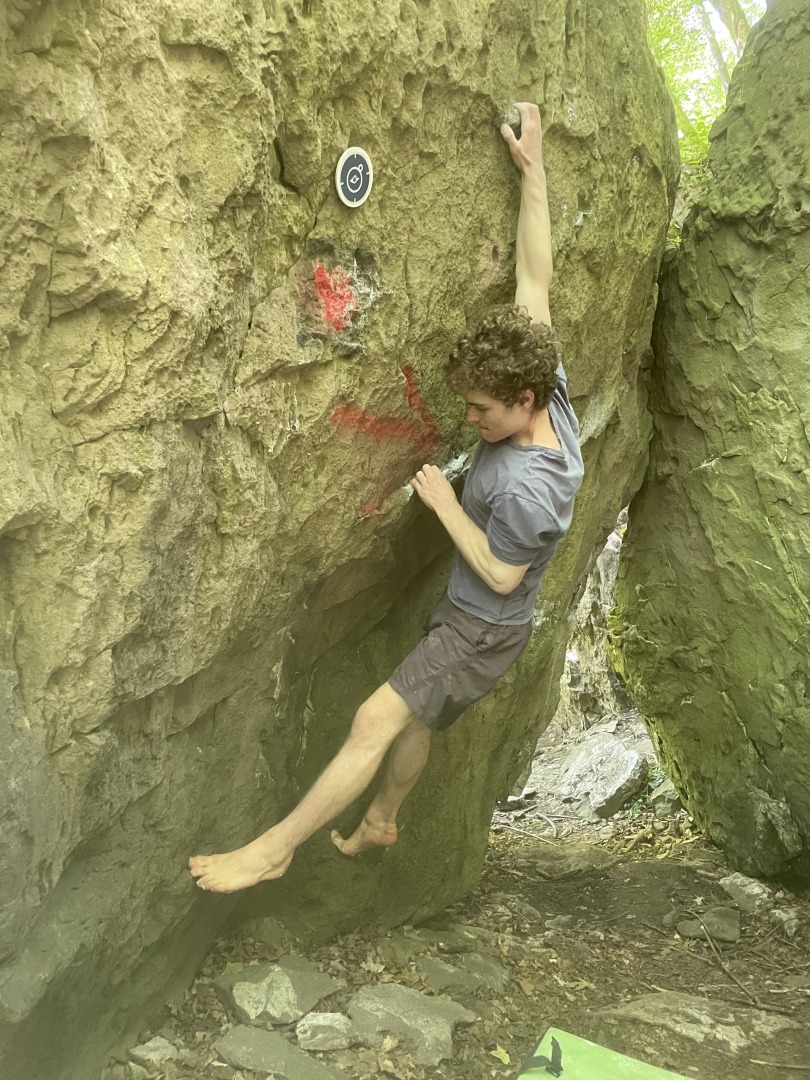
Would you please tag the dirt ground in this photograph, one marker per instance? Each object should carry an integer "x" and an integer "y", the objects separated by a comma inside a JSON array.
[{"x": 616, "y": 948}]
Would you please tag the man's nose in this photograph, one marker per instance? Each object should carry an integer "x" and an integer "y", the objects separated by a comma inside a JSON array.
[{"x": 472, "y": 416}]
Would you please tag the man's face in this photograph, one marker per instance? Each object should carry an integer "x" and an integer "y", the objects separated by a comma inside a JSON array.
[{"x": 495, "y": 420}]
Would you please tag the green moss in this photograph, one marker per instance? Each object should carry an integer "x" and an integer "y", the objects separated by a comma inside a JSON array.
[{"x": 713, "y": 596}]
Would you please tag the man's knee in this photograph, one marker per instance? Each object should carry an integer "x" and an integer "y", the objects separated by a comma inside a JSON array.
[
  {"x": 369, "y": 726},
  {"x": 378, "y": 721}
]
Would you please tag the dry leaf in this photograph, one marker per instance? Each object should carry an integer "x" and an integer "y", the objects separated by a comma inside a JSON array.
[
  {"x": 500, "y": 1054},
  {"x": 526, "y": 986}
]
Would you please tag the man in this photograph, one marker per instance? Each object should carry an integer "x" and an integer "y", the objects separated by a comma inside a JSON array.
[{"x": 517, "y": 503}]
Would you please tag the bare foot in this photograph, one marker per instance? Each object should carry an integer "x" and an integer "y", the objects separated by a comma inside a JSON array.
[
  {"x": 261, "y": 860},
  {"x": 365, "y": 837}
]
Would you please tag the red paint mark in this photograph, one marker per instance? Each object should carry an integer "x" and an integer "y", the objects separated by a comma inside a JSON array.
[
  {"x": 422, "y": 434},
  {"x": 337, "y": 296},
  {"x": 430, "y": 439}
]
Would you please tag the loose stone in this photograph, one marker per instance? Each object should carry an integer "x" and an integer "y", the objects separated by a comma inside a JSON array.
[
  {"x": 427, "y": 1023},
  {"x": 608, "y": 773},
  {"x": 722, "y": 923},
  {"x": 750, "y": 894},
  {"x": 268, "y": 1053},
  {"x": 325, "y": 1031},
  {"x": 280, "y": 993},
  {"x": 156, "y": 1052},
  {"x": 665, "y": 800},
  {"x": 700, "y": 1019}
]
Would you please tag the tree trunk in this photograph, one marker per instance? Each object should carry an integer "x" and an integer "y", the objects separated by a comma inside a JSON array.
[
  {"x": 735, "y": 21},
  {"x": 717, "y": 52}
]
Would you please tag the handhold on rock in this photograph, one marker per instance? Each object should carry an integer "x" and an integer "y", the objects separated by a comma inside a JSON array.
[
  {"x": 279, "y": 993},
  {"x": 268, "y": 1053},
  {"x": 325, "y": 1031},
  {"x": 512, "y": 117},
  {"x": 722, "y": 923},
  {"x": 426, "y": 1022}
]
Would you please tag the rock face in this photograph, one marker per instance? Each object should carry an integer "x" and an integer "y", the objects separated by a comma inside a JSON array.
[
  {"x": 214, "y": 381},
  {"x": 714, "y": 582},
  {"x": 589, "y": 689}
]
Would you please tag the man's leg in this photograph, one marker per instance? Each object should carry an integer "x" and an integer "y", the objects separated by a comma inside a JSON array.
[
  {"x": 407, "y": 758},
  {"x": 377, "y": 723}
]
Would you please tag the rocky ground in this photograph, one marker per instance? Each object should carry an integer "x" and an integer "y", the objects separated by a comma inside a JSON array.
[{"x": 628, "y": 931}]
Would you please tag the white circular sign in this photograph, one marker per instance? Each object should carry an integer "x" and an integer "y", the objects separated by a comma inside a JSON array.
[{"x": 354, "y": 176}]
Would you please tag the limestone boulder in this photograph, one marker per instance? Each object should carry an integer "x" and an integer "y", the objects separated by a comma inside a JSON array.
[
  {"x": 215, "y": 381},
  {"x": 606, "y": 773},
  {"x": 712, "y": 595}
]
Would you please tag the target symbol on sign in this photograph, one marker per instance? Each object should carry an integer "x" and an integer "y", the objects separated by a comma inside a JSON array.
[{"x": 354, "y": 176}]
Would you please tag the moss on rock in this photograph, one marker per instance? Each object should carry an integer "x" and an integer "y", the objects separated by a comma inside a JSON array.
[{"x": 711, "y": 630}]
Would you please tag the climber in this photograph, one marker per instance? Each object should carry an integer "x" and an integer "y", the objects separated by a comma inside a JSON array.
[{"x": 517, "y": 503}]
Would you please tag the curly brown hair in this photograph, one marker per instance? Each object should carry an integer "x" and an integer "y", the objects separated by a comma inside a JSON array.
[{"x": 504, "y": 356}]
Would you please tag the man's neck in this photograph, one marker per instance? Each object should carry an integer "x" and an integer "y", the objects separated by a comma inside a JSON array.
[{"x": 538, "y": 432}]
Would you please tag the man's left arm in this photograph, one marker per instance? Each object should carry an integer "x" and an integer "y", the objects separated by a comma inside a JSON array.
[{"x": 436, "y": 492}]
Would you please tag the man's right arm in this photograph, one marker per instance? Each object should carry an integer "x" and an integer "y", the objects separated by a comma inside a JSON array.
[{"x": 534, "y": 265}]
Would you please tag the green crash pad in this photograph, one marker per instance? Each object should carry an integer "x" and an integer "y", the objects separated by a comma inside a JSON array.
[{"x": 583, "y": 1060}]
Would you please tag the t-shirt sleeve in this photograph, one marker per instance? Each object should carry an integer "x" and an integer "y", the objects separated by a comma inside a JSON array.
[{"x": 515, "y": 527}]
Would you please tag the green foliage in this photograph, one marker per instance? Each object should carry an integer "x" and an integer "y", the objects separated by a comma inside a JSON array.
[
  {"x": 690, "y": 42},
  {"x": 655, "y": 774}
]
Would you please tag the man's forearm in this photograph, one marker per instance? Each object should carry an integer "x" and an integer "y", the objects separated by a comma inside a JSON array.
[
  {"x": 474, "y": 547},
  {"x": 534, "y": 230}
]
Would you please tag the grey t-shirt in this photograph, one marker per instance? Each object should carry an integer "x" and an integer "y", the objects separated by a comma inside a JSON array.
[{"x": 523, "y": 498}]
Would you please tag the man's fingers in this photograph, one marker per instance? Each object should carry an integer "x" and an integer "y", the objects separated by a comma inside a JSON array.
[{"x": 509, "y": 136}]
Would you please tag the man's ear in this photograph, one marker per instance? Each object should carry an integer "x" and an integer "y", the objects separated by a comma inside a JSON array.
[{"x": 527, "y": 398}]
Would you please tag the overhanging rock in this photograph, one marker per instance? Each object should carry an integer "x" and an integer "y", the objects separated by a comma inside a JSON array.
[{"x": 214, "y": 381}]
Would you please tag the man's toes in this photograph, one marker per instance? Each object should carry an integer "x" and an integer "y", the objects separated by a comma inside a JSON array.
[{"x": 338, "y": 840}]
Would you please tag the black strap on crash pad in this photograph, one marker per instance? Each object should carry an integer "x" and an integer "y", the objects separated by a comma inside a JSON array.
[{"x": 536, "y": 1061}]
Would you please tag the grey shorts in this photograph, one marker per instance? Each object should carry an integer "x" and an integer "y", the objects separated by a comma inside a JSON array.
[{"x": 459, "y": 659}]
